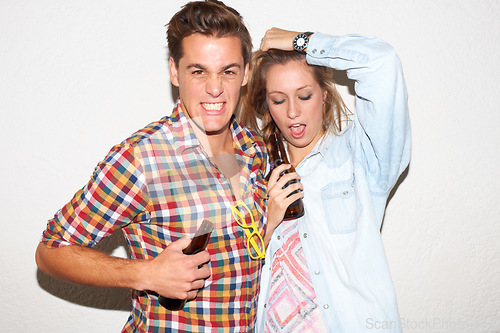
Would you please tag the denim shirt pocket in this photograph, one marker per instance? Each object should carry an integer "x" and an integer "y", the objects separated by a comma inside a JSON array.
[{"x": 339, "y": 205}]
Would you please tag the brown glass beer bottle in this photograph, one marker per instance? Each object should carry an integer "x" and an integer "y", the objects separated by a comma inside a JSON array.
[
  {"x": 198, "y": 244},
  {"x": 278, "y": 156}
]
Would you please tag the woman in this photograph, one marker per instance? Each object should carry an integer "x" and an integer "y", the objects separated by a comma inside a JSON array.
[{"x": 327, "y": 271}]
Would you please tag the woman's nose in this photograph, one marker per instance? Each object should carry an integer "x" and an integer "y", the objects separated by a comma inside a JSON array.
[{"x": 293, "y": 110}]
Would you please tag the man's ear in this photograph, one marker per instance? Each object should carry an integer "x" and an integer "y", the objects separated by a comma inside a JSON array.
[
  {"x": 245, "y": 77},
  {"x": 174, "y": 78}
]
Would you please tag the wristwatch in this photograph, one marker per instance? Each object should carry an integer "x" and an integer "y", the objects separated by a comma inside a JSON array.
[{"x": 301, "y": 41}]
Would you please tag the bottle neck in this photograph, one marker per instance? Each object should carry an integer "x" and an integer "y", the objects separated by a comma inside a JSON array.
[{"x": 278, "y": 153}]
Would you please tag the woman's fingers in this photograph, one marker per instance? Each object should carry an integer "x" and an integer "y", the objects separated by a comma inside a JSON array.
[
  {"x": 279, "y": 191},
  {"x": 275, "y": 174},
  {"x": 276, "y": 38}
]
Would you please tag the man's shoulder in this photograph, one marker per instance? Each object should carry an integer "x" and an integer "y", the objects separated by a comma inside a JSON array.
[
  {"x": 159, "y": 127},
  {"x": 255, "y": 137},
  {"x": 252, "y": 136}
]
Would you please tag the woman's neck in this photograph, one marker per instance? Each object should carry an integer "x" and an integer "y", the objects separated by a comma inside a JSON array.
[{"x": 297, "y": 154}]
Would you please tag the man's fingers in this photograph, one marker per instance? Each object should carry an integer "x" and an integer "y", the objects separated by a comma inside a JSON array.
[
  {"x": 192, "y": 294},
  {"x": 180, "y": 244},
  {"x": 197, "y": 285},
  {"x": 203, "y": 272}
]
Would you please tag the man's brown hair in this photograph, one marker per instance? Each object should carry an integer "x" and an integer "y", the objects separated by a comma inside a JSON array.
[{"x": 209, "y": 18}]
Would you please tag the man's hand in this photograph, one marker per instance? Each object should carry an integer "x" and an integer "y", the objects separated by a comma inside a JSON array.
[
  {"x": 171, "y": 274},
  {"x": 175, "y": 275},
  {"x": 276, "y": 38}
]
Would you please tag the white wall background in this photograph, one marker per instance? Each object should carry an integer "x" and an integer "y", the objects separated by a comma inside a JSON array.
[{"x": 76, "y": 77}]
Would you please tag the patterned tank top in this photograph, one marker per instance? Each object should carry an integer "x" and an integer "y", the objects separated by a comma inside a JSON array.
[{"x": 292, "y": 305}]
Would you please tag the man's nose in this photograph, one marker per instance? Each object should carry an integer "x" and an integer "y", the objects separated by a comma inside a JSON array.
[{"x": 214, "y": 85}]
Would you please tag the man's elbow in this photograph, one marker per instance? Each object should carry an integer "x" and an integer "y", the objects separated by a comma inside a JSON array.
[{"x": 41, "y": 256}]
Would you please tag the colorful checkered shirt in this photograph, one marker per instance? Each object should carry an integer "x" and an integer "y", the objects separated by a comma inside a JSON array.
[{"x": 157, "y": 186}]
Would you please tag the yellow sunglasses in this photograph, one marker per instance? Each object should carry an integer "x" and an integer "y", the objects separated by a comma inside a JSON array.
[{"x": 258, "y": 252}]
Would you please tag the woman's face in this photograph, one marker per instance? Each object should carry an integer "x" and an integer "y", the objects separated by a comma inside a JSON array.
[{"x": 295, "y": 101}]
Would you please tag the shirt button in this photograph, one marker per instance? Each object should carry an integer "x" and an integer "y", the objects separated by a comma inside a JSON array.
[
  {"x": 322, "y": 51},
  {"x": 265, "y": 305},
  {"x": 345, "y": 192},
  {"x": 305, "y": 235},
  {"x": 314, "y": 51},
  {"x": 279, "y": 237},
  {"x": 325, "y": 306},
  {"x": 316, "y": 272}
]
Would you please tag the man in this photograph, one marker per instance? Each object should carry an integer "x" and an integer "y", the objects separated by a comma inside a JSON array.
[{"x": 160, "y": 183}]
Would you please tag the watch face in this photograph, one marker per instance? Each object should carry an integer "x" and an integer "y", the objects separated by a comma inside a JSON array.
[{"x": 300, "y": 42}]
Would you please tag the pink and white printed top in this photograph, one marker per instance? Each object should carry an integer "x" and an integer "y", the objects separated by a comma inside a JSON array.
[{"x": 292, "y": 305}]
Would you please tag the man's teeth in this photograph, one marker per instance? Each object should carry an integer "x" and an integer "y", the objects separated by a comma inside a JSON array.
[
  {"x": 212, "y": 106},
  {"x": 295, "y": 125}
]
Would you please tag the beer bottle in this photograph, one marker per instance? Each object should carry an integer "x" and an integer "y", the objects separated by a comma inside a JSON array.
[
  {"x": 278, "y": 156},
  {"x": 198, "y": 244}
]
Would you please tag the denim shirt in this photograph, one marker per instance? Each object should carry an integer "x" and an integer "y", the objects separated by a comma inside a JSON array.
[{"x": 347, "y": 179}]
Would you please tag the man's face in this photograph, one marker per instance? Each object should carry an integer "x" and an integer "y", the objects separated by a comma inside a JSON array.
[{"x": 210, "y": 75}]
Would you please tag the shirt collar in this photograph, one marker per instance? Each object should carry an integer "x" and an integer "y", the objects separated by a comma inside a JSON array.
[
  {"x": 321, "y": 146},
  {"x": 319, "y": 151},
  {"x": 242, "y": 138},
  {"x": 187, "y": 139},
  {"x": 184, "y": 133}
]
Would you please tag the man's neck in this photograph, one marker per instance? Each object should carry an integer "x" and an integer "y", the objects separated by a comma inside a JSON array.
[
  {"x": 215, "y": 143},
  {"x": 220, "y": 148}
]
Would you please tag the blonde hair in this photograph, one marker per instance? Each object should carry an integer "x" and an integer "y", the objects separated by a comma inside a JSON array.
[{"x": 254, "y": 104}]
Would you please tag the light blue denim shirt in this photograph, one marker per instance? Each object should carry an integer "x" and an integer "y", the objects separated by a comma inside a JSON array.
[{"x": 347, "y": 179}]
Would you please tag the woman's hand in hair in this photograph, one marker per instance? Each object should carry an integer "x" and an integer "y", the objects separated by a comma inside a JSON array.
[
  {"x": 280, "y": 198},
  {"x": 276, "y": 38}
]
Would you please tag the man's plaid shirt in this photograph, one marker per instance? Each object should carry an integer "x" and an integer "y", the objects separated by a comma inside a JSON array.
[{"x": 157, "y": 186}]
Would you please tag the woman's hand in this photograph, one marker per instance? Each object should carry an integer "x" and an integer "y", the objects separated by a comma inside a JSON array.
[
  {"x": 280, "y": 198},
  {"x": 276, "y": 38}
]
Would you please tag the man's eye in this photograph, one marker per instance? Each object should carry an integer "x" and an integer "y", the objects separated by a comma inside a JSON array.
[
  {"x": 305, "y": 98},
  {"x": 229, "y": 72},
  {"x": 197, "y": 72},
  {"x": 278, "y": 102}
]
